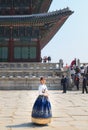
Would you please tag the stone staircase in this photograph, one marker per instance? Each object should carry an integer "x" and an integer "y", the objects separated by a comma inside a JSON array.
[{"x": 25, "y": 76}]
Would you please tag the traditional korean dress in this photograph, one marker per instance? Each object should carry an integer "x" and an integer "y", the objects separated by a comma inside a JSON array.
[{"x": 41, "y": 112}]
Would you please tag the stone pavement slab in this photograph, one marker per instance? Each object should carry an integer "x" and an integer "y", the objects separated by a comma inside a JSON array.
[{"x": 70, "y": 110}]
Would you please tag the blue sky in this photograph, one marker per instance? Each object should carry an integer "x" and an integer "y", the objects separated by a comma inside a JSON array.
[{"x": 71, "y": 41}]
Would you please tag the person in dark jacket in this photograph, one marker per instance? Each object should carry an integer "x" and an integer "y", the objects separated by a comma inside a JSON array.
[
  {"x": 64, "y": 83},
  {"x": 84, "y": 84},
  {"x": 77, "y": 81}
]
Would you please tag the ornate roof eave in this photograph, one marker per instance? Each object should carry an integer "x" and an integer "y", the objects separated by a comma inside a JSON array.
[
  {"x": 34, "y": 19},
  {"x": 48, "y": 23},
  {"x": 54, "y": 29},
  {"x": 49, "y": 35}
]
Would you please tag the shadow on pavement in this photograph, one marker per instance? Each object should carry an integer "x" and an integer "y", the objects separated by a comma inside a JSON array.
[{"x": 30, "y": 124}]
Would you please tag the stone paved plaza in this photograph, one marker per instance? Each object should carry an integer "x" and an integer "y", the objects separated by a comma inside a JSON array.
[{"x": 70, "y": 110}]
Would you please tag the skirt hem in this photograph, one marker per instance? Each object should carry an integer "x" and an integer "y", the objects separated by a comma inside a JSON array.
[{"x": 41, "y": 121}]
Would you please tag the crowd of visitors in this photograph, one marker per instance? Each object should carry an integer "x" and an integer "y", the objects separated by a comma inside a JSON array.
[
  {"x": 79, "y": 75},
  {"x": 46, "y": 59}
]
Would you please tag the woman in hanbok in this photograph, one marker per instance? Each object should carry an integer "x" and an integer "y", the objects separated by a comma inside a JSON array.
[{"x": 41, "y": 112}]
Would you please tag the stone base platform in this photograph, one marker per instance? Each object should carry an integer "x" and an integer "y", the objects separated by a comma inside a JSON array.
[
  {"x": 53, "y": 83},
  {"x": 25, "y": 76}
]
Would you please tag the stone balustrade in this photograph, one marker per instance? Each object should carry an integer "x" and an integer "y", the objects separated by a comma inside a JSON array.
[{"x": 26, "y": 75}]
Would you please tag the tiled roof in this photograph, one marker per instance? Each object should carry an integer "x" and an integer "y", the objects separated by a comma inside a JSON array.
[
  {"x": 16, "y": 20},
  {"x": 19, "y": 7}
]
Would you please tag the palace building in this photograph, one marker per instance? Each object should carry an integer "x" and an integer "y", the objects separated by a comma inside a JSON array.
[{"x": 26, "y": 27}]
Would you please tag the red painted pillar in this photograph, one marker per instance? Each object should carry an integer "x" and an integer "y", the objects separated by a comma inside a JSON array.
[
  {"x": 10, "y": 47},
  {"x": 38, "y": 51}
]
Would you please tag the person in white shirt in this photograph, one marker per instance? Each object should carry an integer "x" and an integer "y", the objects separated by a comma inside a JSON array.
[
  {"x": 42, "y": 87},
  {"x": 41, "y": 112}
]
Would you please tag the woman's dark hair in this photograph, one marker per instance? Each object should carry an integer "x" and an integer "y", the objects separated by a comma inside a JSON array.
[{"x": 42, "y": 78}]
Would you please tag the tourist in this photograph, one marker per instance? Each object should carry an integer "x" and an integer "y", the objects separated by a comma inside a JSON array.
[
  {"x": 49, "y": 59},
  {"x": 72, "y": 73},
  {"x": 41, "y": 112},
  {"x": 82, "y": 71},
  {"x": 64, "y": 83},
  {"x": 84, "y": 84},
  {"x": 77, "y": 81},
  {"x": 73, "y": 63},
  {"x": 45, "y": 59}
]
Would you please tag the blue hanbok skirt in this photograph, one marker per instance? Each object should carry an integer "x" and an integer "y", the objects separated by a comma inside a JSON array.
[{"x": 41, "y": 112}]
